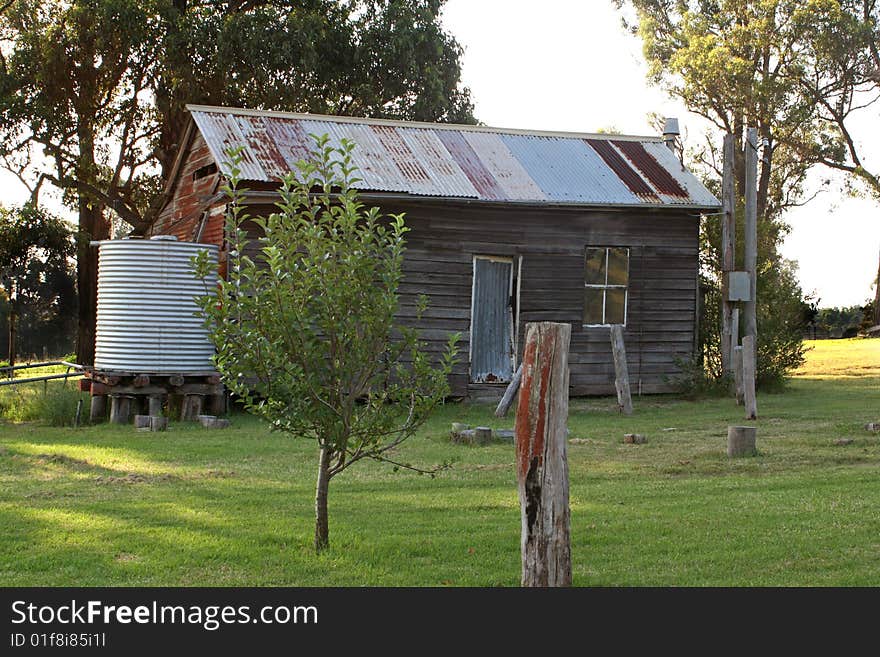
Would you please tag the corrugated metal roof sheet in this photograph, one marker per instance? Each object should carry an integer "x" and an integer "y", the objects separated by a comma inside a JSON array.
[{"x": 456, "y": 161}]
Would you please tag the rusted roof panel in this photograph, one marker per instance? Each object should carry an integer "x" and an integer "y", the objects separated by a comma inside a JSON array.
[
  {"x": 696, "y": 193},
  {"x": 569, "y": 171},
  {"x": 623, "y": 170},
  {"x": 460, "y": 161},
  {"x": 463, "y": 155},
  {"x": 508, "y": 172},
  {"x": 660, "y": 178},
  {"x": 449, "y": 178},
  {"x": 221, "y": 133}
]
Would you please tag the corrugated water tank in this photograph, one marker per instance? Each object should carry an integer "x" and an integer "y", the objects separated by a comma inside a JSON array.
[{"x": 146, "y": 307}]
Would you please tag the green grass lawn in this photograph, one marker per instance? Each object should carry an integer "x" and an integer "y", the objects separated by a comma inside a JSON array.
[{"x": 107, "y": 505}]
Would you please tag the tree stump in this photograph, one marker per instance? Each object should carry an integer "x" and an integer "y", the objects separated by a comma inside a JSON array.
[
  {"x": 621, "y": 375},
  {"x": 142, "y": 422},
  {"x": 741, "y": 441},
  {"x": 98, "y": 409},
  {"x": 542, "y": 465},
  {"x": 120, "y": 409},
  {"x": 483, "y": 435},
  {"x": 634, "y": 439}
]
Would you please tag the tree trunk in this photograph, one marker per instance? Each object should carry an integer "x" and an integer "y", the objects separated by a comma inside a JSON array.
[
  {"x": 322, "y": 527},
  {"x": 877, "y": 297},
  {"x": 93, "y": 225},
  {"x": 12, "y": 319}
]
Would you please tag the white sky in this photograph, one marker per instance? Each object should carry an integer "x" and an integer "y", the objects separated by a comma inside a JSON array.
[{"x": 569, "y": 65}]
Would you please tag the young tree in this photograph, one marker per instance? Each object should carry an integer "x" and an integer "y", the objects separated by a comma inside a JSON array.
[
  {"x": 304, "y": 324},
  {"x": 35, "y": 278}
]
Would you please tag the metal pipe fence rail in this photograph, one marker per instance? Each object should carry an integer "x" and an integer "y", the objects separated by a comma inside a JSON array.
[{"x": 46, "y": 377}]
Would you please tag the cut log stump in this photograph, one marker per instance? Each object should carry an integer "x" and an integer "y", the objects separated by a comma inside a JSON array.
[
  {"x": 142, "y": 422},
  {"x": 741, "y": 441},
  {"x": 634, "y": 439}
]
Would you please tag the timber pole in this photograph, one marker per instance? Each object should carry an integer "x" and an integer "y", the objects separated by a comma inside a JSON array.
[
  {"x": 621, "y": 375},
  {"x": 542, "y": 464},
  {"x": 728, "y": 253},
  {"x": 750, "y": 315}
]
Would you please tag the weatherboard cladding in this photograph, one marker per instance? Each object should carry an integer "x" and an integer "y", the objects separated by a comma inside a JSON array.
[{"x": 461, "y": 161}]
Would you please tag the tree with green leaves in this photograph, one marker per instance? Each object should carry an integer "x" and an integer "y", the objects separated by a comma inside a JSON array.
[
  {"x": 93, "y": 92},
  {"x": 305, "y": 331},
  {"x": 730, "y": 62},
  {"x": 838, "y": 72},
  {"x": 35, "y": 274}
]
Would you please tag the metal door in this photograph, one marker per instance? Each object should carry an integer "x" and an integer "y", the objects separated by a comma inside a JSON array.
[{"x": 492, "y": 320}]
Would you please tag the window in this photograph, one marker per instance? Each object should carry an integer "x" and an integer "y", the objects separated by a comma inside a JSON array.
[{"x": 606, "y": 275}]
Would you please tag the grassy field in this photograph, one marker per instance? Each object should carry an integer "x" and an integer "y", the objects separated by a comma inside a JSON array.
[{"x": 110, "y": 506}]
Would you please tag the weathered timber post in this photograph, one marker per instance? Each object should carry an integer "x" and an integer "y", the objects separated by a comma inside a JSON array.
[
  {"x": 748, "y": 370},
  {"x": 155, "y": 405},
  {"x": 192, "y": 408},
  {"x": 741, "y": 441},
  {"x": 509, "y": 394},
  {"x": 217, "y": 404},
  {"x": 728, "y": 255},
  {"x": 120, "y": 409},
  {"x": 738, "y": 373},
  {"x": 621, "y": 375},
  {"x": 750, "y": 316},
  {"x": 542, "y": 465},
  {"x": 98, "y": 409}
]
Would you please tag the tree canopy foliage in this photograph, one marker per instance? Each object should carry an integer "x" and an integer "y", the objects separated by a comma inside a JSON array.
[
  {"x": 304, "y": 324},
  {"x": 93, "y": 92},
  {"x": 37, "y": 295}
]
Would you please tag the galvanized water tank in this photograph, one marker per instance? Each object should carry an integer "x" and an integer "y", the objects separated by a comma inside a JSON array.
[{"x": 146, "y": 307}]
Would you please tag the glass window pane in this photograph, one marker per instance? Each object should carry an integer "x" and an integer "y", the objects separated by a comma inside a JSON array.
[
  {"x": 618, "y": 266},
  {"x": 594, "y": 268},
  {"x": 615, "y": 305},
  {"x": 593, "y": 305}
]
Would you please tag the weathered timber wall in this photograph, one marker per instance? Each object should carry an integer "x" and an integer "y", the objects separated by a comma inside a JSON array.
[{"x": 661, "y": 306}]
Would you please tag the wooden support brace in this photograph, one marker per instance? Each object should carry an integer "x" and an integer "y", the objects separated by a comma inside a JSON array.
[
  {"x": 509, "y": 394},
  {"x": 621, "y": 375},
  {"x": 738, "y": 373}
]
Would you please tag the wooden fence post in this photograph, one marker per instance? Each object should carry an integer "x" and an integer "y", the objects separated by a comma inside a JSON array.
[
  {"x": 748, "y": 370},
  {"x": 621, "y": 375},
  {"x": 542, "y": 465}
]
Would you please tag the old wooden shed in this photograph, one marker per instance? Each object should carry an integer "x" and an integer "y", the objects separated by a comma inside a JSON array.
[{"x": 507, "y": 227}]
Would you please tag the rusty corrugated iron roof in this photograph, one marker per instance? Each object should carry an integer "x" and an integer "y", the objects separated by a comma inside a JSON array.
[{"x": 458, "y": 161}]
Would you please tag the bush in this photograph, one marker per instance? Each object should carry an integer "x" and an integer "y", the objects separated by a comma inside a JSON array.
[{"x": 56, "y": 406}]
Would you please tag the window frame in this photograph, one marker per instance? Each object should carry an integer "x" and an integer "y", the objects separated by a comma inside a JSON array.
[{"x": 606, "y": 286}]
